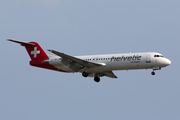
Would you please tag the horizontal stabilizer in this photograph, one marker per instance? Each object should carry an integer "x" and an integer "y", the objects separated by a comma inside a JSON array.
[
  {"x": 20, "y": 42},
  {"x": 34, "y": 50}
]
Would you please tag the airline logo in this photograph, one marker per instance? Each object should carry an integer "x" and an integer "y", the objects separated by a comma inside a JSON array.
[
  {"x": 35, "y": 52},
  {"x": 128, "y": 58}
]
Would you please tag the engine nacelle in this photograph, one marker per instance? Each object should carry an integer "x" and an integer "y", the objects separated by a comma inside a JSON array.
[{"x": 52, "y": 61}]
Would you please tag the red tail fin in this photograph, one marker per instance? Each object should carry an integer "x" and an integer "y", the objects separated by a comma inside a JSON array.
[{"x": 36, "y": 52}]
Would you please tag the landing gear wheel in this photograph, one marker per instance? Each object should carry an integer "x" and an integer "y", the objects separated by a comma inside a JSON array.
[
  {"x": 84, "y": 74},
  {"x": 152, "y": 73},
  {"x": 96, "y": 79}
]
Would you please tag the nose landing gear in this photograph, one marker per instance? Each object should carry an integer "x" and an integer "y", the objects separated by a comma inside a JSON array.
[{"x": 155, "y": 68}]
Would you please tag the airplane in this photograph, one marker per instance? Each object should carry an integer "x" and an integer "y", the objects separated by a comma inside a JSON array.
[{"x": 93, "y": 65}]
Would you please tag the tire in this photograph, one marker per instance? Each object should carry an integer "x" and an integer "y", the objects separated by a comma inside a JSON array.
[
  {"x": 84, "y": 74},
  {"x": 96, "y": 79},
  {"x": 153, "y": 73}
]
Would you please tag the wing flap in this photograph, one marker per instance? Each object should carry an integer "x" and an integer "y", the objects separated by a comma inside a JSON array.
[{"x": 75, "y": 67}]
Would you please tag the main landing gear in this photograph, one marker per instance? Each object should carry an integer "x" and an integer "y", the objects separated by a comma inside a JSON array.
[
  {"x": 96, "y": 79},
  {"x": 152, "y": 73},
  {"x": 84, "y": 74}
]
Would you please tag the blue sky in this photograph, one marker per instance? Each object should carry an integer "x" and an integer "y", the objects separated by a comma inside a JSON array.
[{"x": 78, "y": 27}]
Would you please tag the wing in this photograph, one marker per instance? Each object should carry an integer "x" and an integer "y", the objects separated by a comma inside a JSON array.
[
  {"x": 106, "y": 73},
  {"x": 75, "y": 63},
  {"x": 110, "y": 74}
]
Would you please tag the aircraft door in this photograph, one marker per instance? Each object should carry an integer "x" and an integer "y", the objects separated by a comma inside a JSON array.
[{"x": 148, "y": 58}]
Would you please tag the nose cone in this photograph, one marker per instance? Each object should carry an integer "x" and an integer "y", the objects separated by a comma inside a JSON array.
[{"x": 167, "y": 62}]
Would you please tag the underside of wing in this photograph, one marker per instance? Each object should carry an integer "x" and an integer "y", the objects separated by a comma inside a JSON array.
[
  {"x": 106, "y": 73},
  {"x": 75, "y": 63},
  {"x": 110, "y": 74}
]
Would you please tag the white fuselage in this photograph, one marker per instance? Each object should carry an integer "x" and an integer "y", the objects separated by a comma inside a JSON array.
[{"x": 127, "y": 61}]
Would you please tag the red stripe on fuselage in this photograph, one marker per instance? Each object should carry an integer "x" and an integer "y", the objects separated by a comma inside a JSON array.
[{"x": 38, "y": 63}]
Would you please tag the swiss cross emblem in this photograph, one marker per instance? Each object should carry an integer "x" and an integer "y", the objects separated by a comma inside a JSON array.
[{"x": 35, "y": 52}]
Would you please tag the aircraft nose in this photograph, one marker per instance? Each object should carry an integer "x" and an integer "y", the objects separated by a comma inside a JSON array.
[{"x": 168, "y": 62}]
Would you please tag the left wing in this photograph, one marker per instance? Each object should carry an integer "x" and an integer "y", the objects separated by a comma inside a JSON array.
[
  {"x": 75, "y": 63},
  {"x": 106, "y": 73},
  {"x": 110, "y": 74}
]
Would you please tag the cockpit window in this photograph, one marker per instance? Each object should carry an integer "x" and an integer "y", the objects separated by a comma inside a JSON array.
[{"x": 158, "y": 56}]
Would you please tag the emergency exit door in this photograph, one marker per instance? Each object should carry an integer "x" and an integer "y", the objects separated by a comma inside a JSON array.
[{"x": 148, "y": 58}]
